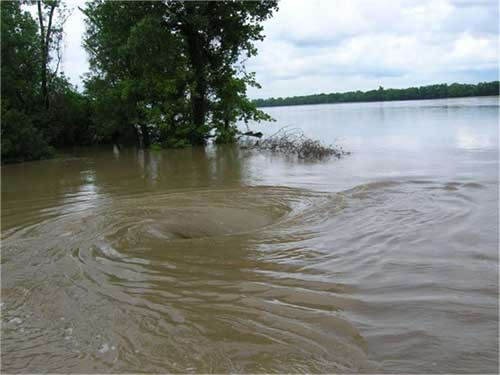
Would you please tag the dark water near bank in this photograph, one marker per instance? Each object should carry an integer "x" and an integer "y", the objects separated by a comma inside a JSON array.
[{"x": 226, "y": 260}]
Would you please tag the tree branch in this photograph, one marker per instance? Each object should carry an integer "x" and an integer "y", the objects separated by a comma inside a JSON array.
[{"x": 49, "y": 29}]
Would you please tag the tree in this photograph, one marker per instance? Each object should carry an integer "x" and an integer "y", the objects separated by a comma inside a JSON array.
[
  {"x": 30, "y": 127},
  {"x": 136, "y": 62},
  {"x": 52, "y": 15},
  {"x": 178, "y": 66},
  {"x": 218, "y": 37},
  {"x": 20, "y": 78},
  {"x": 20, "y": 57}
]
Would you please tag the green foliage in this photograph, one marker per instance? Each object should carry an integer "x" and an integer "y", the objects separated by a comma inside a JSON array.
[
  {"x": 20, "y": 139},
  {"x": 20, "y": 56},
  {"x": 176, "y": 143},
  {"x": 36, "y": 118},
  {"x": 454, "y": 90},
  {"x": 156, "y": 147},
  {"x": 68, "y": 121},
  {"x": 171, "y": 72},
  {"x": 137, "y": 71}
]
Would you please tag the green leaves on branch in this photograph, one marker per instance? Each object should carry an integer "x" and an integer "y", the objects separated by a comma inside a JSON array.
[
  {"x": 40, "y": 109},
  {"x": 175, "y": 69}
]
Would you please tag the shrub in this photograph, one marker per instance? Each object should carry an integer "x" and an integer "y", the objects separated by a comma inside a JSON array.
[{"x": 20, "y": 139}]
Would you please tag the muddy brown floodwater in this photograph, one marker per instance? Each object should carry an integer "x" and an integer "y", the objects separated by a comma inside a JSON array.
[{"x": 226, "y": 260}]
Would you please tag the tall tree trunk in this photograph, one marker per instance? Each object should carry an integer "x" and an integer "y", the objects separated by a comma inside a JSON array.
[
  {"x": 199, "y": 97},
  {"x": 146, "y": 141},
  {"x": 137, "y": 137},
  {"x": 45, "y": 44},
  {"x": 199, "y": 106},
  {"x": 198, "y": 62}
]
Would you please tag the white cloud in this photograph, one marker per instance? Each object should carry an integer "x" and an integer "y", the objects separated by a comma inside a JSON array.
[
  {"x": 322, "y": 45},
  {"x": 473, "y": 49},
  {"x": 74, "y": 62}
]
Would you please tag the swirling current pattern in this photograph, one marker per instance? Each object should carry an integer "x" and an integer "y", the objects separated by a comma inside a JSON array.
[{"x": 254, "y": 279}]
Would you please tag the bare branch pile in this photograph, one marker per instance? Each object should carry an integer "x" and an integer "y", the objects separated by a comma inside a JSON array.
[{"x": 294, "y": 142}]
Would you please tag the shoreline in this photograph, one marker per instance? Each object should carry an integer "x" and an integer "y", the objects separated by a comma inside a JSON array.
[{"x": 381, "y": 101}]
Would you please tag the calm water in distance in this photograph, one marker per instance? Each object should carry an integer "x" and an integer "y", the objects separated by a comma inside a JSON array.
[{"x": 229, "y": 260}]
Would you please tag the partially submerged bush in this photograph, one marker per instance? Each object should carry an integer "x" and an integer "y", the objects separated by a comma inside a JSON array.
[
  {"x": 294, "y": 142},
  {"x": 21, "y": 140}
]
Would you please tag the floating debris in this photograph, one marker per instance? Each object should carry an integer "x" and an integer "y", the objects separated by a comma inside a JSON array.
[
  {"x": 294, "y": 142},
  {"x": 104, "y": 348}
]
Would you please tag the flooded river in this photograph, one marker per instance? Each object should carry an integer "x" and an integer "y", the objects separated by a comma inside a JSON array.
[{"x": 228, "y": 260}]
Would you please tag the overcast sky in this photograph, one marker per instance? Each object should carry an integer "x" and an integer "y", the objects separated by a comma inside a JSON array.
[{"x": 315, "y": 46}]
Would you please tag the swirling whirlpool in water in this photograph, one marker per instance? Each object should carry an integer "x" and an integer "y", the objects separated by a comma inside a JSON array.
[{"x": 252, "y": 279}]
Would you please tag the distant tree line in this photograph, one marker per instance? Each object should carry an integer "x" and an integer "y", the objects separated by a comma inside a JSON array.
[
  {"x": 454, "y": 90},
  {"x": 164, "y": 73}
]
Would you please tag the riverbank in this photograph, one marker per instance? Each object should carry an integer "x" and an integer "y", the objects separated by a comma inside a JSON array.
[{"x": 440, "y": 91}]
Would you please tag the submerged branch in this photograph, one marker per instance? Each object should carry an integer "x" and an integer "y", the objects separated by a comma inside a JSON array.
[{"x": 294, "y": 142}]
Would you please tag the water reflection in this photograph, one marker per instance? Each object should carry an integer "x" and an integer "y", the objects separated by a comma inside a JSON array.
[
  {"x": 418, "y": 125},
  {"x": 470, "y": 139},
  {"x": 85, "y": 197}
]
